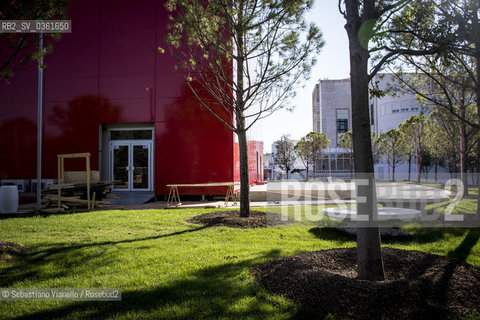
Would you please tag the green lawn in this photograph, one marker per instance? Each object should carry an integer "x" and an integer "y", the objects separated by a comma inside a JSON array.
[{"x": 168, "y": 268}]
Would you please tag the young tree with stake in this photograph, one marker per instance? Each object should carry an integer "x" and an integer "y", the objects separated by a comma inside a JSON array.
[{"x": 243, "y": 60}]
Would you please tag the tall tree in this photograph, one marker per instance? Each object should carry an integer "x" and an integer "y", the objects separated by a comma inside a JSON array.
[
  {"x": 433, "y": 134},
  {"x": 460, "y": 65},
  {"x": 346, "y": 142},
  {"x": 439, "y": 78},
  {"x": 410, "y": 147},
  {"x": 371, "y": 21},
  {"x": 414, "y": 129},
  {"x": 393, "y": 148},
  {"x": 303, "y": 149},
  {"x": 19, "y": 49},
  {"x": 448, "y": 126},
  {"x": 309, "y": 149},
  {"x": 285, "y": 153},
  {"x": 451, "y": 91},
  {"x": 243, "y": 60}
]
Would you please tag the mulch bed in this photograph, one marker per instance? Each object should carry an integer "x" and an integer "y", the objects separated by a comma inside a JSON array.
[
  {"x": 418, "y": 286},
  {"x": 231, "y": 218},
  {"x": 12, "y": 249}
]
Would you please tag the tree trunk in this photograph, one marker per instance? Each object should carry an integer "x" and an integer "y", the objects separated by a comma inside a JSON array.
[
  {"x": 393, "y": 172},
  {"x": 463, "y": 153},
  {"x": 454, "y": 160},
  {"x": 244, "y": 179},
  {"x": 351, "y": 166},
  {"x": 436, "y": 171},
  {"x": 369, "y": 254},
  {"x": 476, "y": 31},
  {"x": 421, "y": 167},
  {"x": 477, "y": 162},
  {"x": 478, "y": 178},
  {"x": 417, "y": 156},
  {"x": 241, "y": 133},
  {"x": 409, "y": 165},
  {"x": 314, "y": 165}
]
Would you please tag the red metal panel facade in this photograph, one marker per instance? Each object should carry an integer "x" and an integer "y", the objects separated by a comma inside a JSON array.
[
  {"x": 109, "y": 71},
  {"x": 255, "y": 162}
]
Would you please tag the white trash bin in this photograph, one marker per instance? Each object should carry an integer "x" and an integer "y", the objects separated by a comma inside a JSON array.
[{"x": 8, "y": 199}]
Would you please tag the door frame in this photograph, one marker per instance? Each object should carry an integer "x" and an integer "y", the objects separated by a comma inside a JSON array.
[{"x": 131, "y": 144}]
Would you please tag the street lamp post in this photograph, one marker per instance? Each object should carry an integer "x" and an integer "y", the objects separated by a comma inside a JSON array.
[{"x": 39, "y": 122}]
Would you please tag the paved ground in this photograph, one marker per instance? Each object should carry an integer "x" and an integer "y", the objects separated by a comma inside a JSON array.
[
  {"x": 221, "y": 204},
  {"x": 276, "y": 194},
  {"x": 311, "y": 194}
]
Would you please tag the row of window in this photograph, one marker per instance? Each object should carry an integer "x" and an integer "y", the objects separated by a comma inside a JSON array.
[
  {"x": 409, "y": 109},
  {"x": 342, "y": 124}
]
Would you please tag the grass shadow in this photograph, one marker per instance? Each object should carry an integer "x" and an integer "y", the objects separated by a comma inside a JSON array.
[
  {"x": 418, "y": 236},
  {"x": 223, "y": 290},
  {"x": 329, "y": 233},
  {"x": 465, "y": 247},
  {"x": 29, "y": 266},
  {"x": 43, "y": 214}
]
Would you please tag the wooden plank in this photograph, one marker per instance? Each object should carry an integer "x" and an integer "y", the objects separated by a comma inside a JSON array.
[
  {"x": 111, "y": 196},
  {"x": 74, "y": 155},
  {"x": 174, "y": 195},
  {"x": 73, "y": 200},
  {"x": 79, "y": 176},
  {"x": 53, "y": 210},
  {"x": 210, "y": 184},
  {"x": 83, "y": 184}
]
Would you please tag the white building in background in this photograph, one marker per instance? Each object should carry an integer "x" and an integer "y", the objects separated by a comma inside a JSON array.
[
  {"x": 332, "y": 108},
  {"x": 332, "y": 115},
  {"x": 390, "y": 110}
]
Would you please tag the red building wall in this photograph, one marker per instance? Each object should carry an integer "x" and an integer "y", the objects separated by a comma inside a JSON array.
[
  {"x": 255, "y": 161},
  {"x": 108, "y": 70}
]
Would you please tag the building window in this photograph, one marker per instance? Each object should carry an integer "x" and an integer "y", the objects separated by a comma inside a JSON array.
[{"x": 342, "y": 125}]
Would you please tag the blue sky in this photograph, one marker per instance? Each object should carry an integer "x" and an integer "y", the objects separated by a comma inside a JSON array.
[{"x": 332, "y": 63}]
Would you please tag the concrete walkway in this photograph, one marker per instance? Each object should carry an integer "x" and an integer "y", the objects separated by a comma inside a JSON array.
[
  {"x": 341, "y": 190},
  {"x": 278, "y": 194}
]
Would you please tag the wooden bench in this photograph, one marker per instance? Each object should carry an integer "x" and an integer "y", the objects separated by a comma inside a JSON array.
[{"x": 173, "y": 199}]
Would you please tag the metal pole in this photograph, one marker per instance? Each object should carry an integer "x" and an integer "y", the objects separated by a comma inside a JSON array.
[{"x": 39, "y": 122}]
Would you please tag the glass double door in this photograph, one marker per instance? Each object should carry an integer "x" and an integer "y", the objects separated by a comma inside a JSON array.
[{"x": 131, "y": 164}]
